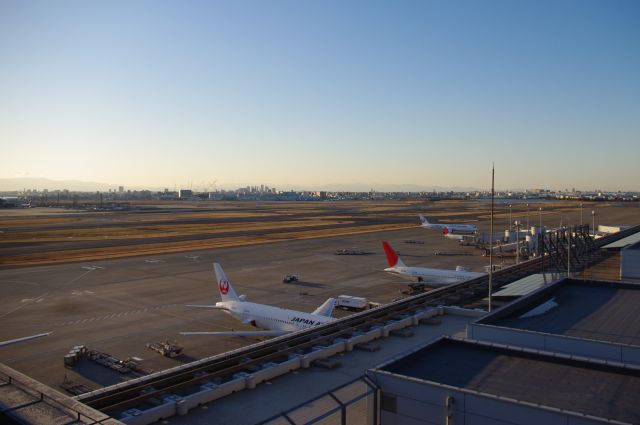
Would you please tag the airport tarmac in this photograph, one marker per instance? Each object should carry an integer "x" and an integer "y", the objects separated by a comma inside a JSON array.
[{"x": 117, "y": 306}]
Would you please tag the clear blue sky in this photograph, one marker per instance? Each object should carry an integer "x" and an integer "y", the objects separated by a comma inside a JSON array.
[{"x": 309, "y": 93}]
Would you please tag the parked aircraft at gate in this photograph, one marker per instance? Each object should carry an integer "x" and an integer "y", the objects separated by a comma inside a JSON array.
[
  {"x": 273, "y": 321},
  {"x": 430, "y": 276},
  {"x": 453, "y": 227}
]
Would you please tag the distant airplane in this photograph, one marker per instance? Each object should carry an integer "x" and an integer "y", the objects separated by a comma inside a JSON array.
[
  {"x": 433, "y": 277},
  {"x": 274, "y": 321},
  {"x": 453, "y": 227},
  {"x": 454, "y": 235},
  {"x": 24, "y": 338}
]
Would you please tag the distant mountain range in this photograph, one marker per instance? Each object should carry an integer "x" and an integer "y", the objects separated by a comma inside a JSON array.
[{"x": 40, "y": 183}]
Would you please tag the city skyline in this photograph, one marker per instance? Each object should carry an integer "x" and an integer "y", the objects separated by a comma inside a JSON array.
[
  {"x": 42, "y": 184},
  {"x": 319, "y": 94}
]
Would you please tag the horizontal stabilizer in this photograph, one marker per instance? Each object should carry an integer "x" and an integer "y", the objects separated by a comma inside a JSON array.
[{"x": 237, "y": 333}]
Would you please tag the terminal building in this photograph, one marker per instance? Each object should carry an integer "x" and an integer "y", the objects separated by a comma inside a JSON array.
[{"x": 568, "y": 353}]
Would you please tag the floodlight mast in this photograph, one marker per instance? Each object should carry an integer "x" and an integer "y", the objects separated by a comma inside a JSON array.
[{"x": 491, "y": 238}]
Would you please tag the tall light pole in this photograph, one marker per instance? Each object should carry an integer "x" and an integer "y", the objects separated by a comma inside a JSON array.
[
  {"x": 528, "y": 228},
  {"x": 540, "y": 215},
  {"x": 510, "y": 218},
  {"x": 491, "y": 240},
  {"x": 517, "y": 224},
  {"x": 593, "y": 217},
  {"x": 581, "y": 214},
  {"x": 569, "y": 253},
  {"x": 540, "y": 240}
]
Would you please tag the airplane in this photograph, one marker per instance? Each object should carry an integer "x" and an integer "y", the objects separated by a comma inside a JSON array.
[
  {"x": 24, "y": 338},
  {"x": 432, "y": 277},
  {"x": 459, "y": 228},
  {"x": 273, "y": 321},
  {"x": 453, "y": 235}
]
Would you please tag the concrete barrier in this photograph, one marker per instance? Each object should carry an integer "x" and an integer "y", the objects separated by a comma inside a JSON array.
[
  {"x": 395, "y": 325},
  {"x": 211, "y": 391},
  {"x": 148, "y": 416},
  {"x": 321, "y": 352}
]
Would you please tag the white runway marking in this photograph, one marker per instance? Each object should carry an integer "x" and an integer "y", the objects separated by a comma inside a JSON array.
[
  {"x": 25, "y": 302},
  {"x": 111, "y": 316}
]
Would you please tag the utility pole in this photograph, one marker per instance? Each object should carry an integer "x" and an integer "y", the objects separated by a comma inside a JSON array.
[
  {"x": 593, "y": 217},
  {"x": 580, "y": 214},
  {"x": 528, "y": 228},
  {"x": 491, "y": 238}
]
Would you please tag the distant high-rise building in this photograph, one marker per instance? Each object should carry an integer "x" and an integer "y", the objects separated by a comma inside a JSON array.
[
  {"x": 185, "y": 193},
  {"x": 120, "y": 189}
]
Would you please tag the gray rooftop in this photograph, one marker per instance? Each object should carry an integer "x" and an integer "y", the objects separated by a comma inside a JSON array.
[
  {"x": 629, "y": 240},
  {"x": 528, "y": 284},
  {"x": 604, "y": 311},
  {"x": 634, "y": 246},
  {"x": 596, "y": 389}
]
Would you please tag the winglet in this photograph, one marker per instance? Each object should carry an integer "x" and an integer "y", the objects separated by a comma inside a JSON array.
[
  {"x": 392, "y": 257},
  {"x": 227, "y": 293},
  {"x": 423, "y": 220},
  {"x": 326, "y": 309}
]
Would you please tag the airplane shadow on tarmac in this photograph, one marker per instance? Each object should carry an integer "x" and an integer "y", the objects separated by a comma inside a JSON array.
[{"x": 308, "y": 284}]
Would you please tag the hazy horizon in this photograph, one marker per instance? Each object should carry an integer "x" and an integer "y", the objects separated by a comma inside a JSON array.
[
  {"x": 417, "y": 93},
  {"x": 39, "y": 183}
]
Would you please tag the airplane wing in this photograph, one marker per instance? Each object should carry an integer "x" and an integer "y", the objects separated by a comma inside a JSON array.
[
  {"x": 238, "y": 333},
  {"x": 26, "y": 338}
]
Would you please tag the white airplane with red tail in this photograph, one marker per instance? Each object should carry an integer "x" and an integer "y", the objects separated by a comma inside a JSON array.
[
  {"x": 454, "y": 235},
  {"x": 271, "y": 321},
  {"x": 453, "y": 227},
  {"x": 432, "y": 277}
]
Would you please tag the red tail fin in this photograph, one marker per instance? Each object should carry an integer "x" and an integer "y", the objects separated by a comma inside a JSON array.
[
  {"x": 392, "y": 257},
  {"x": 445, "y": 231}
]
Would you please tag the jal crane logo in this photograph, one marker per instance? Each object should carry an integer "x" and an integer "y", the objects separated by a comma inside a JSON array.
[{"x": 223, "y": 286}]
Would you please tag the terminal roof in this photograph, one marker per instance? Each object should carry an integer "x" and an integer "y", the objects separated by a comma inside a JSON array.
[
  {"x": 629, "y": 240},
  {"x": 591, "y": 388},
  {"x": 605, "y": 311},
  {"x": 528, "y": 284}
]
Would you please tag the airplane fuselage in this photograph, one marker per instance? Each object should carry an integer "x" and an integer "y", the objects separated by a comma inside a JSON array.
[
  {"x": 269, "y": 317},
  {"x": 460, "y": 228},
  {"x": 434, "y": 277}
]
